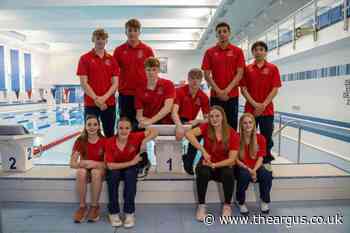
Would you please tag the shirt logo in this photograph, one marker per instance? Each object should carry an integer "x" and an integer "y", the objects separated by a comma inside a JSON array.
[
  {"x": 125, "y": 52},
  {"x": 160, "y": 91},
  {"x": 140, "y": 54},
  {"x": 265, "y": 71},
  {"x": 216, "y": 54},
  {"x": 230, "y": 53},
  {"x": 108, "y": 62}
]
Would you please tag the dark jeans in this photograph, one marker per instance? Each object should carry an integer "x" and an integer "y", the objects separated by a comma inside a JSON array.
[
  {"x": 126, "y": 104},
  {"x": 114, "y": 177},
  {"x": 264, "y": 178},
  {"x": 266, "y": 125},
  {"x": 107, "y": 118},
  {"x": 230, "y": 107},
  {"x": 204, "y": 174}
]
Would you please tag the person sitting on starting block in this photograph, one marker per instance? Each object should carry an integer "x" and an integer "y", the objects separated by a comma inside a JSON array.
[
  {"x": 189, "y": 100},
  {"x": 153, "y": 103}
]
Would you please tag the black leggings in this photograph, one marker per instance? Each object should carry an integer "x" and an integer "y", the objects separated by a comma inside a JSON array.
[{"x": 223, "y": 174}]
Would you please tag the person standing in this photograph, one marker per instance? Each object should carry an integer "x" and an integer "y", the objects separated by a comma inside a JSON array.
[
  {"x": 259, "y": 87},
  {"x": 223, "y": 66},
  {"x": 98, "y": 73},
  {"x": 131, "y": 57}
]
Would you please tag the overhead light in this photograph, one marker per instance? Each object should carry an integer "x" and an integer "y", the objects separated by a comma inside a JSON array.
[
  {"x": 14, "y": 35},
  {"x": 196, "y": 12},
  {"x": 281, "y": 2},
  {"x": 41, "y": 45}
]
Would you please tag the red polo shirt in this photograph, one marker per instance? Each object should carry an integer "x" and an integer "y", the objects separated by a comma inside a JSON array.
[
  {"x": 94, "y": 151},
  {"x": 261, "y": 152},
  {"x": 216, "y": 148},
  {"x": 223, "y": 64},
  {"x": 116, "y": 155},
  {"x": 99, "y": 72},
  {"x": 152, "y": 101},
  {"x": 259, "y": 83},
  {"x": 131, "y": 62},
  {"x": 189, "y": 106}
]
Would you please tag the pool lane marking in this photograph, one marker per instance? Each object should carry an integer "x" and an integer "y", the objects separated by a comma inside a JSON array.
[{"x": 43, "y": 148}]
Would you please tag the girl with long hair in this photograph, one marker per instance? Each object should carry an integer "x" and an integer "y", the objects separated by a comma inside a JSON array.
[
  {"x": 88, "y": 159},
  {"x": 221, "y": 144},
  {"x": 250, "y": 164}
]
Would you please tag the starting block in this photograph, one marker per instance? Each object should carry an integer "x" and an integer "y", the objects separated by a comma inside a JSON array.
[
  {"x": 16, "y": 148},
  {"x": 168, "y": 150}
]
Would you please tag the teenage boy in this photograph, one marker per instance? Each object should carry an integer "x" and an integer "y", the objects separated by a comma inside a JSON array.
[
  {"x": 223, "y": 66},
  {"x": 259, "y": 87},
  {"x": 98, "y": 73}
]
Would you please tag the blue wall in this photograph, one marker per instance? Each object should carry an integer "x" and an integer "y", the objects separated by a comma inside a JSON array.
[{"x": 15, "y": 84}]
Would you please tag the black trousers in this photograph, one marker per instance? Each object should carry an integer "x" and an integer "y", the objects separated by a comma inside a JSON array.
[
  {"x": 126, "y": 105},
  {"x": 204, "y": 174},
  {"x": 107, "y": 118},
  {"x": 266, "y": 126},
  {"x": 230, "y": 107}
]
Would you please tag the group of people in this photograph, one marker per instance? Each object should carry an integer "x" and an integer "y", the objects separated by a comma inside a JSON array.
[{"x": 146, "y": 99}]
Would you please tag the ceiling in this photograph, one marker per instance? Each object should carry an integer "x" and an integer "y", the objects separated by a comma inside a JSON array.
[
  {"x": 66, "y": 25},
  {"x": 250, "y": 18}
]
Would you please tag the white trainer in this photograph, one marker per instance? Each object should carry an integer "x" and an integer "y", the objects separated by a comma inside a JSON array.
[
  {"x": 129, "y": 221},
  {"x": 115, "y": 220},
  {"x": 264, "y": 207},
  {"x": 243, "y": 209}
]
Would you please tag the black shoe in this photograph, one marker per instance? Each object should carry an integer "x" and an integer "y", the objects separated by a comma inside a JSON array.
[
  {"x": 144, "y": 167},
  {"x": 268, "y": 159},
  {"x": 188, "y": 164}
]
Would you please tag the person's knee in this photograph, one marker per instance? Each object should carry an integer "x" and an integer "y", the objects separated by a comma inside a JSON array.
[
  {"x": 243, "y": 176},
  {"x": 264, "y": 175},
  {"x": 97, "y": 173},
  {"x": 203, "y": 172},
  {"x": 82, "y": 174},
  {"x": 227, "y": 174},
  {"x": 131, "y": 172}
]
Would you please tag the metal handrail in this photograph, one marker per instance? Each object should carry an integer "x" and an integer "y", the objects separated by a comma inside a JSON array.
[
  {"x": 283, "y": 127},
  {"x": 279, "y": 132},
  {"x": 287, "y": 124}
]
